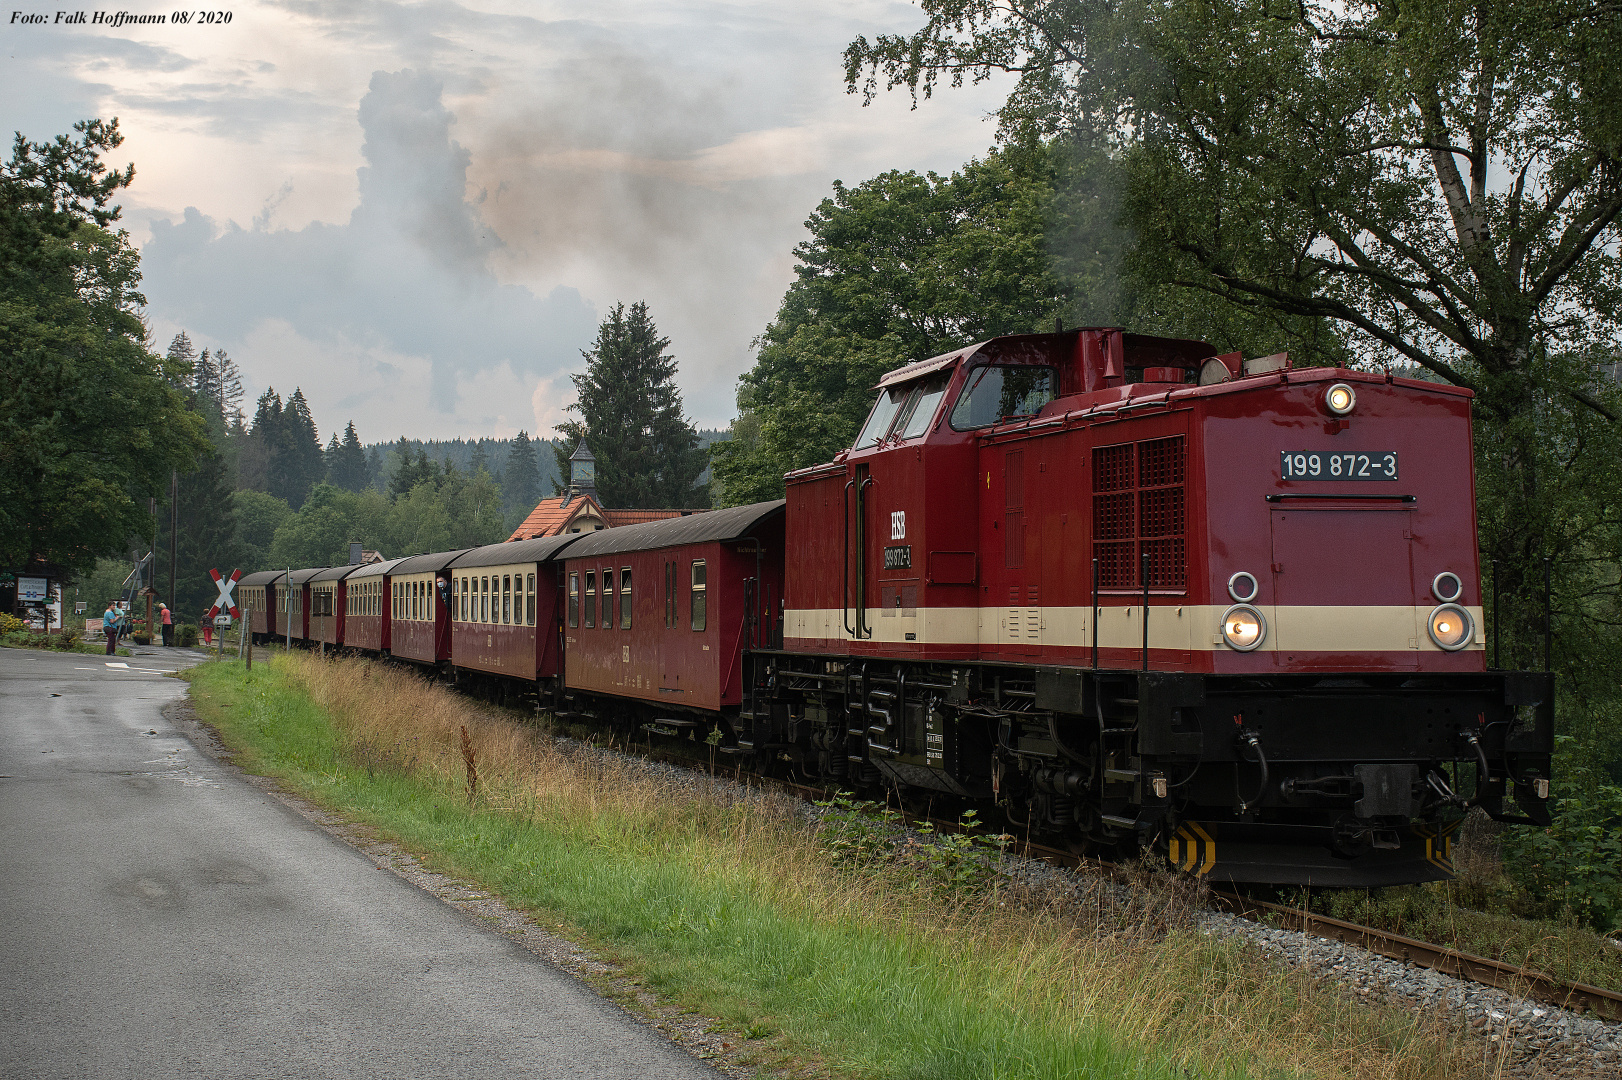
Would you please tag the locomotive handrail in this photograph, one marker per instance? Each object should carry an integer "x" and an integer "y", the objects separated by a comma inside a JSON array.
[
  {"x": 844, "y": 596},
  {"x": 861, "y": 515}
]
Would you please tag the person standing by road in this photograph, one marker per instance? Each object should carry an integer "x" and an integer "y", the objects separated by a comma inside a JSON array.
[
  {"x": 208, "y": 629},
  {"x": 109, "y": 627},
  {"x": 168, "y": 624}
]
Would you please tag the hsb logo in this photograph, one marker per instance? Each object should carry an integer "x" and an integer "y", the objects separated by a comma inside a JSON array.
[{"x": 898, "y": 525}]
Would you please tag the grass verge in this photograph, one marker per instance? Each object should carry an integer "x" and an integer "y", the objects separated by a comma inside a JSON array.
[
  {"x": 54, "y": 643},
  {"x": 736, "y": 908}
]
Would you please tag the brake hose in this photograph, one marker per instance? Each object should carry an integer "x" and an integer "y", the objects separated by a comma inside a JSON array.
[{"x": 1249, "y": 738}]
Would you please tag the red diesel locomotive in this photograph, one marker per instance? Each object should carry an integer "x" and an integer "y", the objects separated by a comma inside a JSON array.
[
  {"x": 1132, "y": 594},
  {"x": 1137, "y": 594}
]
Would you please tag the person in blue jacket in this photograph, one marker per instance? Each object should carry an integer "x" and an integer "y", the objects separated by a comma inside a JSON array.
[{"x": 109, "y": 626}]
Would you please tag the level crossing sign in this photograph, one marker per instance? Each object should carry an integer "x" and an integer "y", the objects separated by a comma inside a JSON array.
[{"x": 225, "y": 585}]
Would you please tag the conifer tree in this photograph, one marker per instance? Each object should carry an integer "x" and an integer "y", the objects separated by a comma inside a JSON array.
[
  {"x": 648, "y": 454},
  {"x": 300, "y": 466},
  {"x": 522, "y": 483},
  {"x": 348, "y": 470}
]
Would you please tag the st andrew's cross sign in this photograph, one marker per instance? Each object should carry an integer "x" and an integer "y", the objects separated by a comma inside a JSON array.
[{"x": 225, "y": 585}]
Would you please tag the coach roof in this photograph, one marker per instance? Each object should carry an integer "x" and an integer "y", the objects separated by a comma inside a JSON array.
[
  {"x": 537, "y": 549},
  {"x": 263, "y": 577},
  {"x": 376, "y": 569},
  {"x": 429, "y": 563},
  {"x": 337, "y": 573},
  {"x": 728, "y": 524}
]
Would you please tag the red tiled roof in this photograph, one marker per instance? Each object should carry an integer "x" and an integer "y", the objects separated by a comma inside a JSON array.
[
  {"x": 614, "y": 518},
  {"x": 550, "y": 517}
]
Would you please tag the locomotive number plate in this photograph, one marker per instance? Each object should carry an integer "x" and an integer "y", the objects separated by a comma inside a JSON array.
[{"x": 1338, "y": 464}]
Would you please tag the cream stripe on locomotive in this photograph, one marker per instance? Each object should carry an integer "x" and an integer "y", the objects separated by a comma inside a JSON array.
[{"x": 1300, "y": 628}]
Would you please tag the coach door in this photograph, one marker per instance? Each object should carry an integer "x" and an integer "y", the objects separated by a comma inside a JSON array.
[{"x": 1343, "y": 584}]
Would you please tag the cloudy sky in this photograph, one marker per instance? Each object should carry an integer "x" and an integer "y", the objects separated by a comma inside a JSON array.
[{"x": 418, "y": 212}]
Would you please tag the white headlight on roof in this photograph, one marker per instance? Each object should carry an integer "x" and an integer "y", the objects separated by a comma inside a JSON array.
[{"x": 1340, "y": 399}]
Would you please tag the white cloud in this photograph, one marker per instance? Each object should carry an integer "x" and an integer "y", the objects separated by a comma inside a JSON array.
[{"x": 416, "y": 211}]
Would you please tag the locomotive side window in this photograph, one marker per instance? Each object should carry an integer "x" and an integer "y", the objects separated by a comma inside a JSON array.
[
  {"x": 529, "y": 601},
  {"x": 574, "y": 598},
  {"x": 920, "y": 408},
  {"x": 591, "y": 598},
  {"x": 882, "y": 416},
  {"x": 698, "y": 594},
  {"x": 625, "y": 598},
  {"x": 994, "y": 392}
]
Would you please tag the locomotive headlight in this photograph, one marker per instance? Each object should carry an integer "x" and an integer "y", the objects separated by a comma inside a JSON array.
[
  {"x": 1340, "y": 399},
  {"x": 1243, "y": 627},
  {"x": 1451, "y": 627}
]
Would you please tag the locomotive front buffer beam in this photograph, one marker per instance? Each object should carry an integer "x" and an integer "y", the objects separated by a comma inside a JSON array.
[{"x": 1312, "y": 779}]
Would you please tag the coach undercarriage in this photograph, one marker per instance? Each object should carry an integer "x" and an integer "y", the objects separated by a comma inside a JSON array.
[{"x": 1343, "y": 780}]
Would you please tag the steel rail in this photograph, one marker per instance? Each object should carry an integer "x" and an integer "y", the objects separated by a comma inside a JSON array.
[{"x": 1525, "y": 982}]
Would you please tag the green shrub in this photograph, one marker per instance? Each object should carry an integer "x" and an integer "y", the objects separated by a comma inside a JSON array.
[
  {"x": 185, "y": 635},
  {"x": 1574, "y": 867}
]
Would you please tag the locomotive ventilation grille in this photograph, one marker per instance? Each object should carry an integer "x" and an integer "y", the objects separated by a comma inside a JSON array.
[{"x": 1138, "y": 509}]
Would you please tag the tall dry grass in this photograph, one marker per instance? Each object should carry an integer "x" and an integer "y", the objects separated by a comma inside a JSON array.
[{"x": 1134, "y": 962}]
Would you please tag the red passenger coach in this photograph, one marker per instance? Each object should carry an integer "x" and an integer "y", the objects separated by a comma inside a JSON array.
[
  {"x": 328, "y": 605},
  {"x": 419, "y": 607},
  {"x": 661, "y": 612},
  {"x": 258, "y": 593},
  {"x": 505, "y": 613},
  {"x": 292, "y": 595},
  {"x": 366, "y": 618}
]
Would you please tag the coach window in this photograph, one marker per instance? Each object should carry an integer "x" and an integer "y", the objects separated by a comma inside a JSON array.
[
  {"x": 507, "y": 599},
  {"x": 994, "y": 392},
  {"x": 591, "y": 598},
  {"x": 529, "y": 600},
  {"x": 625, "y": 598},
  {"x": 698, "y": 594},
  {"x": 484, "y": 600},
  {"x": 574, "y": 598},
  {"x": 608, "y": 598}
]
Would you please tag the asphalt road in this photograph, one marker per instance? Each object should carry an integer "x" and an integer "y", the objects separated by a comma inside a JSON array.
[{"x": 161, "y": 917}]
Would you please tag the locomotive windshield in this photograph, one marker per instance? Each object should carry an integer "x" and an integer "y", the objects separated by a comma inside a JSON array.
[
  {"x": 904, "y": 411},
  {"x": 994, "y": 392}
]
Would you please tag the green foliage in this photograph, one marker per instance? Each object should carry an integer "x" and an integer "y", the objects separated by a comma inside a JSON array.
[
  {"x": 454, "y": 511},
  {"x": 347, "y": 467},
  {"x": 648, "y": 454},
  {"x": 207, "y": 536},
  {"x": 1574, "y": 868},
  {"x": 521, "y": 484},
  {"x": 867, "y": 839},
  {"x": 899, "y": 268},
  {"x": 258, "y": 517},
  {"x": 91, "y": 423}
]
